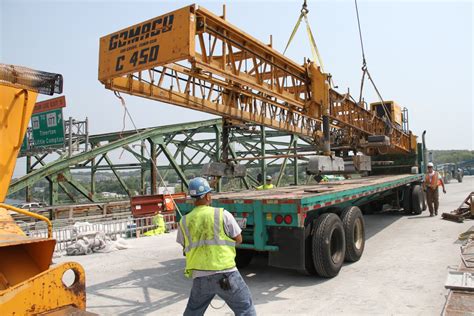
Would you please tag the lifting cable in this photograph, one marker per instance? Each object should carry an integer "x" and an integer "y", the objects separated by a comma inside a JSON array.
[
  {"x": 314, "y": 47},
  {"x": 364, "y": 62},
  {"x": 162, "y": 181},
  {"x": 365, "y": 72}
]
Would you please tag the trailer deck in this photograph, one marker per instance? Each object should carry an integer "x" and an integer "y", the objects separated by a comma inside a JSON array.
[{"x": 316, "y": 195}]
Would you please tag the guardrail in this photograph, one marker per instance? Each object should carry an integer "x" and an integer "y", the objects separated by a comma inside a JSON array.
[
  {"x": 66, "y": 232},
  {"x": 71, "y": 211}
]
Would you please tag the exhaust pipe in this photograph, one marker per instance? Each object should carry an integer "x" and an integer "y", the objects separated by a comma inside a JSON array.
[{"x": 425, "y": 151}]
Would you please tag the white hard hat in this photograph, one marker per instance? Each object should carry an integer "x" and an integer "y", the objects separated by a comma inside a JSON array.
[{"x": 430, "y": 164}]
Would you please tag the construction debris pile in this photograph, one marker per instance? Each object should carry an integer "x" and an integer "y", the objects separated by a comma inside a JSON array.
[
  {"x": 464, "y": 211},
  {"x": 467, "y": 252},
  {"x": 461, "y": 281},
  {"x": 467, "y": 249},
  {"x": 88, "y": 242}
]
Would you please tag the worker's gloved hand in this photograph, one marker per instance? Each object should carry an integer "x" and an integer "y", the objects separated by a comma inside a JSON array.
[{"x": 444, "y": 191}]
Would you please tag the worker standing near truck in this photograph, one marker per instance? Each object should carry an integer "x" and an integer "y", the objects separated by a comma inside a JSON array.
[
  {"x": 431, "y": 184},
  {"x": 208, "y": 236},
  {"x": 268, "y": 184}
]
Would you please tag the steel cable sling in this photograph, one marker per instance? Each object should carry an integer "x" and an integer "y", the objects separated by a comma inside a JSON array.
[
  {"x": 365, "y": 71},
  {"x": 314, "y": 47}
]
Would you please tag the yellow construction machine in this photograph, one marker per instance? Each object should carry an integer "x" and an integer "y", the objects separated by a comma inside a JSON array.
[
  {"x": 197, "y": 60},
  {"x": 29, "y": 284}
]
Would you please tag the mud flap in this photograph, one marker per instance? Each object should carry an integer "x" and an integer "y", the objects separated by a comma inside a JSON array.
[{"x": 290, "y": 241}]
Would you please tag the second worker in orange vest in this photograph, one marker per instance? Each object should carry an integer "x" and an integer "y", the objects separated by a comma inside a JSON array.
[{"x": 432, "y": 181}]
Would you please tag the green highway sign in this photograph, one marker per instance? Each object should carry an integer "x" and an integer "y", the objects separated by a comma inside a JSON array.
[
  {"x": 24, "y": 144},
  {"x": 48, "y": 128}
]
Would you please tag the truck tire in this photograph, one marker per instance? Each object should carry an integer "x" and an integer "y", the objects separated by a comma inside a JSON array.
[
  {"x": 406, "y": 203},
  {"x": 417, "y": 198},
  {"x": 425, "y": 206},
  {"x": 243, "y": 257},
  {"x": 354, "y": 231},
  {"x": 308, "y": 252},
  {"x": 329, "y": 245}
]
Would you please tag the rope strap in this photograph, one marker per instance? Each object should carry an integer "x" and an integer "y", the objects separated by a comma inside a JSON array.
[{"x": 314, "y": 48}]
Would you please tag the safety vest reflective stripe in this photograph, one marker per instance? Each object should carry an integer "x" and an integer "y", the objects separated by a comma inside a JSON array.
[{"x": 208, "y": 242}]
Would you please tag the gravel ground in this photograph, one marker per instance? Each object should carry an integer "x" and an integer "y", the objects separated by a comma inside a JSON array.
[{"x": 402, "y": 271}]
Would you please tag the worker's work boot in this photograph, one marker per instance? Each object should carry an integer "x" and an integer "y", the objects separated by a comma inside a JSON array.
[{"x": 436, "y": 213}]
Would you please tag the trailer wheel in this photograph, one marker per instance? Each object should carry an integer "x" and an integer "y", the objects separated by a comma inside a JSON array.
[
  {"x": 407, "y": 200},
  {"x": 243, "y": 257},
  {"x": 354, "y": 231},
  {"x": 425, "y": 206},
  {"x": 329, "y": 245},
  {"x": 417, "y": 199},
  {"x": 308, "y": 252}
]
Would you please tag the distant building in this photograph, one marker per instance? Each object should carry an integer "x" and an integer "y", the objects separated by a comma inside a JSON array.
[
  {"x": 112, "y": 195},
  {"x": 38, "y": 189},
  {"x": 162, "y": 190}
]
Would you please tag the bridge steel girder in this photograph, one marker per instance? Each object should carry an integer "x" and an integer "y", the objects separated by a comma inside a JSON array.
[
  {"x": 175, "y": 164},
  {"x": 117, "y": 175},
  {"x": 153, "y": 163},
  {"x": 79, "y": 187},
  {"x": 64, "y": 163},
  {"x": 283, "y": 165},
  {"x": 139, "y": 157},
  {"x": 187, "y": 147},
  {"x": 50, "y": 179}
]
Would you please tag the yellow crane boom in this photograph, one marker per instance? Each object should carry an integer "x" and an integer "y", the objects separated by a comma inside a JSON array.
[{"x": 195, "y": 59}]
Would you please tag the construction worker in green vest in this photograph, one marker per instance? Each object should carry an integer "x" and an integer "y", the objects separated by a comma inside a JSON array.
[
  {"x": 268, "y": 184},
  {"x": 208, "y": 236}
]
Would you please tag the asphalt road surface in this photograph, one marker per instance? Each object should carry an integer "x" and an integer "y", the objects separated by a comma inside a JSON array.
[{"x": 402, "y": 271}]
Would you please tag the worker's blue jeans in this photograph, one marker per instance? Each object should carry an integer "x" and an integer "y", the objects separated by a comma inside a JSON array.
[{"x": 238, "y": 297}]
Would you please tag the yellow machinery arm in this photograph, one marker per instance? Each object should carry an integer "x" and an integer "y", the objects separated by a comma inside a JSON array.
[
  {"x": 195, "y": 59},
  {"x": 28, "y": 286}
]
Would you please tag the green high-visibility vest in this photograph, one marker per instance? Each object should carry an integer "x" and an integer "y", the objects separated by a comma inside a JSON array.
[
  {"x": 265, "y": 187},
  {"x": 206, "y": 245}
]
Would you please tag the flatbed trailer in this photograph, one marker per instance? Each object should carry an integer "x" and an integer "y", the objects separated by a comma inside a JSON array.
[{"x": 313, "y": 228}]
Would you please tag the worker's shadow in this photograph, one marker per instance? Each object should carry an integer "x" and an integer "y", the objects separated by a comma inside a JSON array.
[
  {"x": 150, "y": 291},
  {"x": 378, "y": 222},
  {"x": 268, "y": 283},
  {"x": 142, "y": 291}
]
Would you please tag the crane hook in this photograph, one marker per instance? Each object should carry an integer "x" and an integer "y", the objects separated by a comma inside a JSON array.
[{"x": 304, "y": 8}]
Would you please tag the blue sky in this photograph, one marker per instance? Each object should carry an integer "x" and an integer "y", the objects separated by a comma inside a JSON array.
[{"x": 419, "y": 53}]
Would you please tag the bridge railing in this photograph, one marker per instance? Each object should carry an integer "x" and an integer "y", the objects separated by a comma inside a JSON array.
[{"x": 67, "y": 233}]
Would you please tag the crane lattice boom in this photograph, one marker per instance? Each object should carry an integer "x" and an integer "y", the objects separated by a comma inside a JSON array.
[{"x": 196, "y": 59}]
